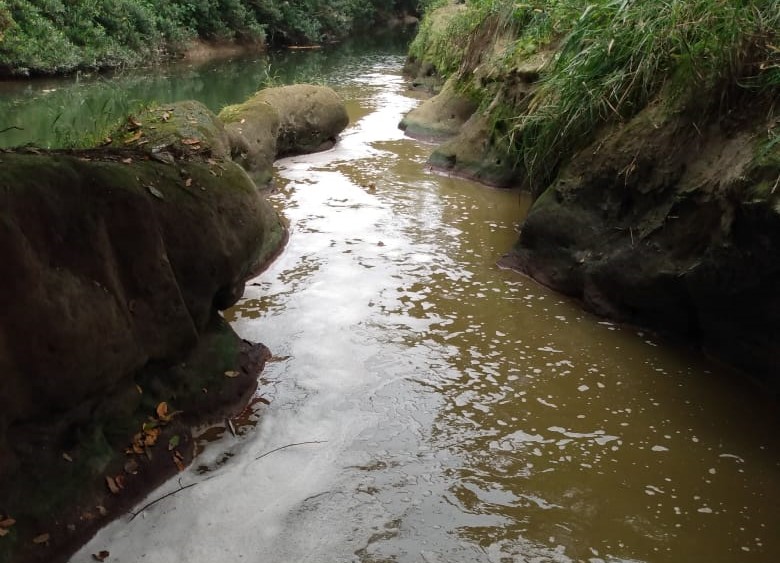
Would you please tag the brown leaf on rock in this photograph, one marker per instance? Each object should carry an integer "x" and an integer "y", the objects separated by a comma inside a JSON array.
[
  {"x": 134, "y": 137},
  {"x": 112, "y": 485},
  {"x": 7, "y": 522},
  {"x": 102, "y": 556},
  {"x": 132, "y": 122},
  {"x": 178, "y": 459},
  {"x": 131, "y": 467},
  {"x": 162, "y": 411},
  {"x": 150, "y": 436},
  {"x": 41, "y": 538}
]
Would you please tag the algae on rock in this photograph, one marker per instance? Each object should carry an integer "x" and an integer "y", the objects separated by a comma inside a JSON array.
[{"x": 283, "y": 121}]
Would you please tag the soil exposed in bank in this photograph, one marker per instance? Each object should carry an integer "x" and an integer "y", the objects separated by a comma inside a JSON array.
[{"x": 660, "y": 207}]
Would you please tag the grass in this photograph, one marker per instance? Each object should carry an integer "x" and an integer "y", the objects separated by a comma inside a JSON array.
[
  {"x": 611, "y": 58},
  {"x": 619, "y": 54}
]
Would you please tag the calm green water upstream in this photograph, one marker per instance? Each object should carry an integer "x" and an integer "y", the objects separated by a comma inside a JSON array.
[{"x": 431, "y": 407}]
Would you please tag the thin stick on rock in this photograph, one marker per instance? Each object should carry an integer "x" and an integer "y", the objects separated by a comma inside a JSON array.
[
  {"x": 290, "y": 446},
  {"x": 155, "y": 501}
]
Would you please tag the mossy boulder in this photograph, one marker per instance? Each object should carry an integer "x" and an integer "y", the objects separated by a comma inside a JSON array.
[
  {"x": 283, "y": 121},
  {"x": 252, "y": 129},
  {"x": 441, "y": 116},
  {"x": 683, "y": 241},
  {"x": 474, "y": 154},
  {"x": 180, "y": 130},
  {"x": 311, "y": 117},
  {"x": 120, "y": 266}
]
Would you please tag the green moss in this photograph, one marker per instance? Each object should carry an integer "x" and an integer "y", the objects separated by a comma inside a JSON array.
[{"x": 182, "y": 128}]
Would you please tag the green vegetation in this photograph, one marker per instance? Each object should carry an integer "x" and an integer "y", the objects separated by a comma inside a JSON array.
[
  {"x": 607, "y": 60},
  {"x": 60, "y": 36}
]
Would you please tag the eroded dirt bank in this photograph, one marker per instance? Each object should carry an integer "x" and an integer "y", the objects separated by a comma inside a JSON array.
[{"x": 664, "y": 212}]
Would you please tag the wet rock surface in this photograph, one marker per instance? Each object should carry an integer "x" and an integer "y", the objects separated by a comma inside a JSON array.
[
  {"x": 118, "y": 267},
  {"x": 683, "y": 241},
  {"x": 283, "y": 121},
  {"x": 439, "y": 117}
]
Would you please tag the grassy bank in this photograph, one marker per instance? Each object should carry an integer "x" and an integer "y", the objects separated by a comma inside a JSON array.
[
  {"x": 606, "y": 60},
  {"x": 60, "y": 36}
]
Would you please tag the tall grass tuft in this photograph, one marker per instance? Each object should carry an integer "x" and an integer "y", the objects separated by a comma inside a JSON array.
[
  {"x": 618, "y": 54},
  {"x": 611, "y": 58}
]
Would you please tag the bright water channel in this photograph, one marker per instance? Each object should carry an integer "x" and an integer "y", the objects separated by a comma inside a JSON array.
[{"x": 444, "y": 410}]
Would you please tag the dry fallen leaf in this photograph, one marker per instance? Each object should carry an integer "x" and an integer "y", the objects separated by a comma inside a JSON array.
[
  {"x": 66, "y": 457},
  {"x": 190, "y": 141},
  {"x": 112, "y": 485},
  {"x": 151, "y": 436},
  {"x": 102, "y": 556},
  {"x": 132, "y": 122},
  {"x": 231, "y": 374},
  {"x": 133, "y": 138},
  {"x": 178, "y": 460},
  {"x": 3, "y": 532},
  {"x": 42, "y": 538},
  {"x": 101, "y": 510},
  {"x": 188, "y": 182},
  {"x": 162, "y": 411},
  {"x": 155, "y": 192},
  {"x": 131, "y": 467},
  {"x": 165, "y": 116},
  {"x": 7, "y": 522},
  {"x": 127, "y": 160}
]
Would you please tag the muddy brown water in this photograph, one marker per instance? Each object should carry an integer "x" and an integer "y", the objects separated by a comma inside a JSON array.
[{"x": 426, "y": 406}]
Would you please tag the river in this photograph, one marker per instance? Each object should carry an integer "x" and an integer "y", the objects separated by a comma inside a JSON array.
[{"x": 423, "y": 405}]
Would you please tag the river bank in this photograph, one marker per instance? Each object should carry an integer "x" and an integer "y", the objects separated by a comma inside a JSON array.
[{"x": 652, "y": 155}]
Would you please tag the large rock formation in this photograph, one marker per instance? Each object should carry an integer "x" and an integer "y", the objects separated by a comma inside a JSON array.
[
  {"x": 659, "y": 206},
  {"x": 684, "y": 241},
  {"x": 118, "y": 262},
  {"x": 439, "y": 117},
  {"x": 117, "y": 266},
  {"x": 283, "y": 121}
]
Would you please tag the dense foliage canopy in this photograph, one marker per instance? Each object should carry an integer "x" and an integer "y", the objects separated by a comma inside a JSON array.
[{"x": 54, "y": 36}]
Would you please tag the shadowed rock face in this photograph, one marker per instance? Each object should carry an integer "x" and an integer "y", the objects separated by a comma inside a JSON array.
[
  {"x": 439, "y": 117},
  {"x": 116, "y": 266},
  {"x": 473, "y": 154},
  {"x": 283, "y": 121},
  {"x": 119, "y": 261},
  {"x": 113, "y": 266},
  {"x": 685, "y": 241}
]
